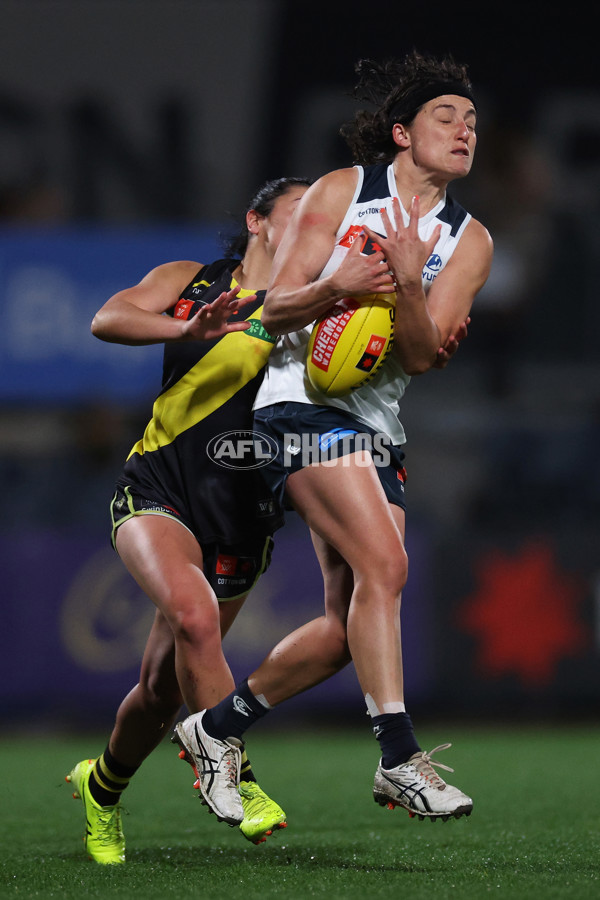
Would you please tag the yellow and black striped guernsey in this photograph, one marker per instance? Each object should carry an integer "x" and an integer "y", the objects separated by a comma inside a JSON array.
[{"x": 208, "y": 389}]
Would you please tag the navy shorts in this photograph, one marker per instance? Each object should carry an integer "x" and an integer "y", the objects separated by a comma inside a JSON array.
[
  {"x": 232, "y": 570},
  {"x": 306, "y": 434}
]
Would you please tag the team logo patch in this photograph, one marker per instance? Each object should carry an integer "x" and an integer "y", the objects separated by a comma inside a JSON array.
[
  {"x": 373, "y": 351},
  {"x": 330, "y": 438},
  {"x": 434, "y": 263},
  {"x": 241, "y": 706},
  {"x": 226, "y": 565},
  {"x": 257, "y": 330},
  {"x": 232, "y": 566},
  {"x": 183, "y": 308},
  {"x": 354, "y": 233},
  {"x": 265, "y": 508}
]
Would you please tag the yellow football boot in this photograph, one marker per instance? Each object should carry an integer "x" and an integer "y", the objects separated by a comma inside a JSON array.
[
  {"x": 262, "y": 816},
  {"x": 103, "y": 839}
]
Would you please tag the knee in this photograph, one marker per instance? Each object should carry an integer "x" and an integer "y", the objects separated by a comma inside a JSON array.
[
  {"x": 194, "y": 622},
  {"x": 386, "y": 572}
]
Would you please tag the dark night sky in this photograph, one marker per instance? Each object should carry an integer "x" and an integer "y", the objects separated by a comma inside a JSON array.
[{"x": 515, "y": 52}]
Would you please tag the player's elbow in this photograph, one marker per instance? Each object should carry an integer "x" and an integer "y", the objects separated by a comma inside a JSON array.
[
  {"x": 96, "y": 326},
  {"x": 100, "y": 327},
  {"x": 415, "y": 363},
  {"x": 417, "y": 366},
  {"x": 416, "y": 357}
]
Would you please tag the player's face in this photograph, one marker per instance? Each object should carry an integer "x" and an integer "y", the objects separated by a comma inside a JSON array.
[
  {"x": 443, "y": 136},
  {"x": 274, "y": 225}
]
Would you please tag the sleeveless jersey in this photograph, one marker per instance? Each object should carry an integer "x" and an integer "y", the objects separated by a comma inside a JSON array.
[
  {"x": 376, "y": 403},
  {"x": 208, "y": 389}
]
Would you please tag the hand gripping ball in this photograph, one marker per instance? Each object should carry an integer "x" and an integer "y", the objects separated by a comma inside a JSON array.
[{"x": 349, "y": 343}]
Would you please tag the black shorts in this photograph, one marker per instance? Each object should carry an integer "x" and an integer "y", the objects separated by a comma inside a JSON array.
[
  {"x": 232, "y": 570},
  {"x": 305, "y": 434}
]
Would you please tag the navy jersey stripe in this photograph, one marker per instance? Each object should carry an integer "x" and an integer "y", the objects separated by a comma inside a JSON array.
[
  {"x": 452, "y": 214},
  {"x": 375, "y": 183}
]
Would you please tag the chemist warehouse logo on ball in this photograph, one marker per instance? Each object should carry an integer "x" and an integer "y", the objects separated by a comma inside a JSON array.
[{"x": 242, "y": 450}]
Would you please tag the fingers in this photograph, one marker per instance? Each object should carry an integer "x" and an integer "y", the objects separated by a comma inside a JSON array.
[
  {"x": 435, "y": 236},
  {"x": 387, "y": 224},
  {"x": 442, "y": 359},
  {"x": 364, "y": 273},
  {"x": 227, "y": 295},
  {"x": 414, "y": 214},
  {"x": 240, "y": 302},
  {"x": 377, "y": 256},
  {"x": 226, "y": 299},
  {"x": 445, "y": 353},
  {"x": 413, "y": 218},
  {"x": 220, "y": 304},
  {"x": 357, "y": 244},
  {"x": 462, "y": 330},
  {"x": 225, "y": 304},
  {"x": 214, "y": 318}
]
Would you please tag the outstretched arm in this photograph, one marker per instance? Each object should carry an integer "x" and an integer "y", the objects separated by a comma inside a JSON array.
[{"x": 134, "y": 316}]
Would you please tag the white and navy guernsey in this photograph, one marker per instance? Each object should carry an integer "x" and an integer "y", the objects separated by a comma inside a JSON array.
[{"x": 377, "y": 403}]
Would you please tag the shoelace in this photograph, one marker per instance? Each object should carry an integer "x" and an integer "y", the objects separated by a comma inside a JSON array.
[
  {"x": 425, "y": 764},
  {"x": 109, "y": 825},
  {"x": 251, "y": 791},
  {"x": 231, "y": 768}
]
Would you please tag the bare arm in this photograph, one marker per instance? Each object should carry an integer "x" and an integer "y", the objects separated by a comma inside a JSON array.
[
  {"x": 424, "y": 323},
  {"x": 134, "y": 316},
  {"x": 454, "y": 290},
  {"x": 295, "y": 298}
]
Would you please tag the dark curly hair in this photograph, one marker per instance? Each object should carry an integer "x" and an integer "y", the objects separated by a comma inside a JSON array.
[
  {"x": 263, "y": 202},
  {"x": 389, "y": 86}
]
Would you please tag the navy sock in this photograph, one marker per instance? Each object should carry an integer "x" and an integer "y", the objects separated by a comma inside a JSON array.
[
  {"x": 233, "y": 715},
  {"x": 394, "y": 731}
]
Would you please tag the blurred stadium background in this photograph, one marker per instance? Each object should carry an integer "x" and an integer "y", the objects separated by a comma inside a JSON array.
[{"x": 132, "y": 132}]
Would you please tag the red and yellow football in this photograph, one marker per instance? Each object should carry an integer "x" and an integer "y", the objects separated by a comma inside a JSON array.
[{"x": 349, "y": 343}]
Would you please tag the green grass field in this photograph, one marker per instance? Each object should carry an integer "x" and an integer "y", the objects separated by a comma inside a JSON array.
[{"x": 534, "y": 832}]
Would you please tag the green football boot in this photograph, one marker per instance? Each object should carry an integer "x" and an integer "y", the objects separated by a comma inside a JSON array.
[
  {"x": 103, "y": 839},
  {"x": 262, "y": 816}
]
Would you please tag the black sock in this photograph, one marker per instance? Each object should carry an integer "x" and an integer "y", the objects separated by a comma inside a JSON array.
[
  {"x": 233, "y": 715},
  {"x": 108, "y": 779},
  {"x": 394, "y": 731}
]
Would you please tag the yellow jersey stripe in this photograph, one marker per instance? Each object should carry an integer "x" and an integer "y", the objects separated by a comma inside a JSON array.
[{"x": 194, "y": 397}]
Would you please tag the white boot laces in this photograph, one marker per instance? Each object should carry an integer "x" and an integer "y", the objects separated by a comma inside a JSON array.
[
  {"x": 424, "y": 763},
  {"x": 230, "y": 764}
]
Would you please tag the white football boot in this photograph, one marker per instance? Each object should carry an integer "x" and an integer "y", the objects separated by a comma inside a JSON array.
[
  {"x": 216, "y": 765},
  {"x": 417, "y": 787}
]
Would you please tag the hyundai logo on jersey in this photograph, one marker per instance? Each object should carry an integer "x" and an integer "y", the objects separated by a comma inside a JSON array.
[{"x": 434, "y": 263}]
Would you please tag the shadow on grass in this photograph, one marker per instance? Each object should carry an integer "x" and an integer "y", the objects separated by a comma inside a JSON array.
[{"x": 215, "y": 858}]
